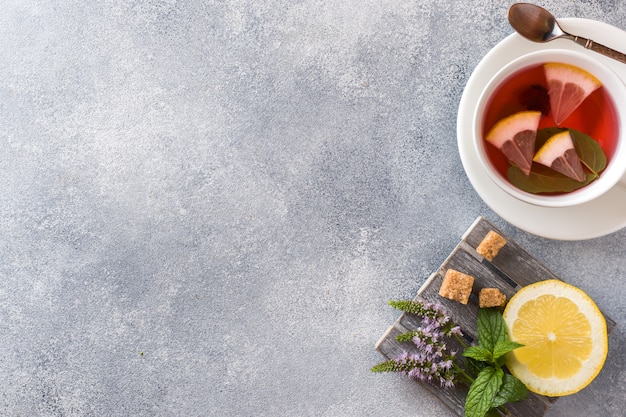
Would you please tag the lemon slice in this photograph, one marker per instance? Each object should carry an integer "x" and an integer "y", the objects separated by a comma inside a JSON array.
[
  {"x": 515, "y": 136},
  {"x": 564, "y": 336},
  {"x": 560, "y": 154},
  {"x": 568, "y": 87}
]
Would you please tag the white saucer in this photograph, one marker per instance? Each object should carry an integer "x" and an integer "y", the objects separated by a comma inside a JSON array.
[{"x": 596, "y": 218}]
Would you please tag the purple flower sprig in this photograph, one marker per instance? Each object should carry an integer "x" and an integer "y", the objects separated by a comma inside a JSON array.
[
  {"x": 433, "y": 361},
  {"x": 419, "y": 367},
  {"x": 435, "y": 320}
]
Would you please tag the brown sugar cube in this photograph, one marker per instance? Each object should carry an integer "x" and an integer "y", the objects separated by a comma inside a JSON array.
[
  {"x": 456, "y": 286},
  {"x": 491, "y": 297},
  {"x": 491, "y": 245}
]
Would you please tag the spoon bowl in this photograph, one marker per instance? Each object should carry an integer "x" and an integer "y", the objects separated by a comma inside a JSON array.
[{"x": 534, "y": 23}]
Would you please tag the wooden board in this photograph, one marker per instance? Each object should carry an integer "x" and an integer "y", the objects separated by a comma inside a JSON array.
[{"x": 510, "y": 270}]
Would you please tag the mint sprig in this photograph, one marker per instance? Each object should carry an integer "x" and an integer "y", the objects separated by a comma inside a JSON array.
[
  {"x": 492, "y": 387},
  {"x": 430, "y": 359}
]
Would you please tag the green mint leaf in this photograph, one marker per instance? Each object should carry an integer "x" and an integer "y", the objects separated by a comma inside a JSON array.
[
  {"x": 503, "y": 347},
  {"x": 512, "y": 390},
  {"x": 479, "y": 353},
  {"x": 493, "y": 413},
  {"x": 483, "y": 391},
  {"x": 491, "y": 328},
  {"x": 474, "y": 366}
]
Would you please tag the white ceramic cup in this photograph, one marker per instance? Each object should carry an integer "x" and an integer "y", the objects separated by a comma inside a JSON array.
[{"x": 614, "y": 85}]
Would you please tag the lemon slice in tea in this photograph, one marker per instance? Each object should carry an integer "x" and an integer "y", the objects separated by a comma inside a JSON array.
[
  {"x": 515, "y": 136},
  {"x": 559, "y": 154},
  {"x": 564, "y": 336},
  {"x": 568, "y": 87}
]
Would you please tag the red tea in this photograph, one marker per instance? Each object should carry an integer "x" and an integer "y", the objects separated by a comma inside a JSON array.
[{"x": 527, "y": 90}]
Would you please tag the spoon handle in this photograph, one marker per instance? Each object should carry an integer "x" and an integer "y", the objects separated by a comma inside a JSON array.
[{"x": 597, "y": 47}]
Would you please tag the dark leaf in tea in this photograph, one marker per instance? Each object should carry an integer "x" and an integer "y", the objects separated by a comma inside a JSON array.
[{"x": 545, "y": 180}]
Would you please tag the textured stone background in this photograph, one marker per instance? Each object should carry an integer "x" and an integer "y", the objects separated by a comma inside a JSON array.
[{"x": 205, "y": 205}]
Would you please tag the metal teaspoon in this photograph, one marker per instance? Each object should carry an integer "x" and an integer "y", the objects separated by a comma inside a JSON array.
[{"x": 539, "y": 25}]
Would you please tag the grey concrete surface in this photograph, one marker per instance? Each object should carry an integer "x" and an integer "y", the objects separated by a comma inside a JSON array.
[{"x": 205, "y": 205}]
